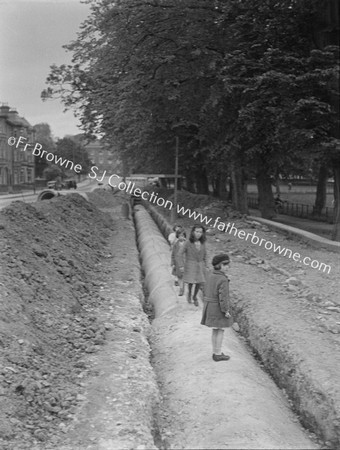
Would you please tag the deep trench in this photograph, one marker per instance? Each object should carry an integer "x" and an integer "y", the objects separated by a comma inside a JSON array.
[
  {"x": 243, "y": 333},
  {"x": 149, "y": 311}
]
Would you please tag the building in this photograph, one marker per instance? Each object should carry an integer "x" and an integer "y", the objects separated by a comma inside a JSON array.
[
  {"x": 16, "y": 166},
  {"x": 101, "y": 156}
]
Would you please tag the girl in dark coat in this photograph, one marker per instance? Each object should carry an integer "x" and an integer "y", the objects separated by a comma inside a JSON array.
[
  {"x": 216, "y": 304},
  {"x": 194, "y": 255}
]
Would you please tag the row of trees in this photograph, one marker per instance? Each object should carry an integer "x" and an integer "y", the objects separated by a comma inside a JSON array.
[
  {"x": 69, "y": 148},
  {"x": 249, "y": 87}
]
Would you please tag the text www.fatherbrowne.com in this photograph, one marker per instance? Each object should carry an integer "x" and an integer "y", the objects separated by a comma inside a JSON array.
[
  {"x": 253, "y": 238},
  {"x": 153, "y": 198}
]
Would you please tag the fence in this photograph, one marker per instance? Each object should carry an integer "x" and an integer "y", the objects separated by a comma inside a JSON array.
[{"x": 297, "y": 210}]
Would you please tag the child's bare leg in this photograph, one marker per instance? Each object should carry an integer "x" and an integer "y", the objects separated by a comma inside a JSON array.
[
  {"x": 197, "y": 286},
  {"x": 219, "y": 340},
  {"x": 181, "y": 286},
  {"x": 218, "y": 355},
  {"x": 189, "y": 292},
  {"x": 213, "y": 340}
]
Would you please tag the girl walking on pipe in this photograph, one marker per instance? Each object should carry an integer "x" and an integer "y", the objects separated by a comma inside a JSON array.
[
  {"x": 216, "y": 313},
  {"x": 194, "y": 256}
]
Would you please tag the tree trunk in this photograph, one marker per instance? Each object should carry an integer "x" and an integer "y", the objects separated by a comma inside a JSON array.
[
  {"x": 266, "y": 199},
  {"x": 190, "y": 181},
  {"x": 239, "y": 189},
  {"x": 277, "y": 185},
  {"x": 321, "y": 191},
  {"x": 202, "y": 183},
  {"x": 216, "y": 186},
  {"x": 336, "y": 220},
  {"x": 230, "y": 193},
  {"x": 222, "y": 190}
]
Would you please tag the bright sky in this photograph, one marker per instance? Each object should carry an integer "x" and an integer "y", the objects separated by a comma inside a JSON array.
[{"x": 32, "y": 33}]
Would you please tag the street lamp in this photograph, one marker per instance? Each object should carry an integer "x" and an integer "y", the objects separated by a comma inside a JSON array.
[{"x": 174, "y": 209}]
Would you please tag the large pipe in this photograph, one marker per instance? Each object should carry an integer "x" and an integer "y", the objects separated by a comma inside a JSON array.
[
  {"x": 155, "y": 256},
  {"x": 162, "y": 223},
  {"x": 47, "y": 194}
]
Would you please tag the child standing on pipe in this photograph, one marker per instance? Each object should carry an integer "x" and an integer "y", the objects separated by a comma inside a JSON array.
[
  {"x": 194, "y": 255},
  {"x": 172, "y": 238},
  {"x": 216, "y": 307},
  {"x": 177, "y": 259}
]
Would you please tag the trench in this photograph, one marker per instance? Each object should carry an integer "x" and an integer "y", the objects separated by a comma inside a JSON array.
[{"x": 154, "y": 256}]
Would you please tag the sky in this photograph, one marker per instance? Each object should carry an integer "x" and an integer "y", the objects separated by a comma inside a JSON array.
[{"x": 32, "y": 33}]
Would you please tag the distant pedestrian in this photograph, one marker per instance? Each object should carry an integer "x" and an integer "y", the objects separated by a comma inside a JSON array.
[
  {"x": 290, "y": 186},
  {"x": 177, "y": 259},
  {"x": 216, "y": 310},
  {"x": 194, "y": 256}
]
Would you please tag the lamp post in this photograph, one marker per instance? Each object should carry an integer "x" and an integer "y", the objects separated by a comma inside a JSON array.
[
  {"x": 11, "y": 166},
  {"x": 33, "y": 159},
  {"x": 174, "y": 209}
]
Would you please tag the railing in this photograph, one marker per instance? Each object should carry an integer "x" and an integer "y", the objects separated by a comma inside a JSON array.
[{"x": 298, "y": 210}]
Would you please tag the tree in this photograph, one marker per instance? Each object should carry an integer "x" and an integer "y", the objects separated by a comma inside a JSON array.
[
  {"x": 73, "y": 151},
  {"x": 283, "y": 114},
  {"x": 43, "y": 136},
  {"x": 52, "y": 172},
  {"x": 242, "y": 78}
]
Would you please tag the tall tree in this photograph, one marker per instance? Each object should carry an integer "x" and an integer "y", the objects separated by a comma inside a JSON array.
[
  {"x": 43, "y": 136},
  {"x": 73, "y": 151},
  {"x": 241, "y": 79}
]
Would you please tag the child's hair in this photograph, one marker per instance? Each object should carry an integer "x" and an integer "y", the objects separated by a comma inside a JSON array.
[
  {"x": 179, "y": 227},
  {"x": 203, "y": 238},
  {"x": 181, "y": 232}
]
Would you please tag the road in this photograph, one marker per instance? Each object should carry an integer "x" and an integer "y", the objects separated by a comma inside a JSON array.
[{"x": 5, "y": 200}]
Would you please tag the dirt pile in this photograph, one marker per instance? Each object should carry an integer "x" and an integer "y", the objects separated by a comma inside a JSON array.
[{"x": 50, "y": 276}]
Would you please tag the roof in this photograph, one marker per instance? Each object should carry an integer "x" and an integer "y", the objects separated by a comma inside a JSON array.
[{"x": 18, "y": 121}]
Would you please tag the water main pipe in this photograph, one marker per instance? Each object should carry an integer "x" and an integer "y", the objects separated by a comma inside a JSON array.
[
  {"x": 155, "y": 257},
  {"x": 47, "y": 194}
]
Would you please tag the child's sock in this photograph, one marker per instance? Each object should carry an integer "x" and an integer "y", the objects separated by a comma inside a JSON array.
[
  {"x": 213, "y": 340},
  {"x": 219, "y": 339}
]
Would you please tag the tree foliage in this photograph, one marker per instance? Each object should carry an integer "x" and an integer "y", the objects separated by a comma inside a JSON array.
[
  {"x": 244, "y": 84},
  {"x": 71, "y": 150},
  {"x": 43, "y": 136}
]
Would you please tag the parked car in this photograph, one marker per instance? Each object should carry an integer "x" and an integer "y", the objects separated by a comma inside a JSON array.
[
  {"x": 66, "y": 184},
  {"x": 69, "y": 184}
]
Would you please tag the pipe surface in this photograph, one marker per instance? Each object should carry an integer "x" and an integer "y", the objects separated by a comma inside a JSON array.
[
  {"x": 47, "y": 194},
  {"x": 155, "y": 256}
]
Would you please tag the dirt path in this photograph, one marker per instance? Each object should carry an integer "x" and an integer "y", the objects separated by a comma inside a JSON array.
[
  {"x": 226, "y": 405},
  {"x": 290, "y": 315}
]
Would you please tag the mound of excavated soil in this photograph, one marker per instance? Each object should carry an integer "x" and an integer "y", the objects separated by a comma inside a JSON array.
[{"x": 49, "y": 276}]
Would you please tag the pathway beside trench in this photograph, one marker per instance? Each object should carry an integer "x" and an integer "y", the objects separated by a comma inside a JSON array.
[
  {"x": 224, "y": 405},
  {"x": 206, "y": 404}
]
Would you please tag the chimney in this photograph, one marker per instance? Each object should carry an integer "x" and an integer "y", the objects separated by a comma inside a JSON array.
[
  {"x": 4, "y": 109},
  {"x": 13, "y": 113}
]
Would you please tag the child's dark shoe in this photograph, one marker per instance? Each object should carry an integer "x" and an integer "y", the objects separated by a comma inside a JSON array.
[
  {"x": 221, "y": 357},
  {"x": 195, "y": 301},
  {"x": 188, "y": 298}
]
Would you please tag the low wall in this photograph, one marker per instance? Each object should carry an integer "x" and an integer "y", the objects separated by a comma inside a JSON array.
[{"x": 306, "y": 236}]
